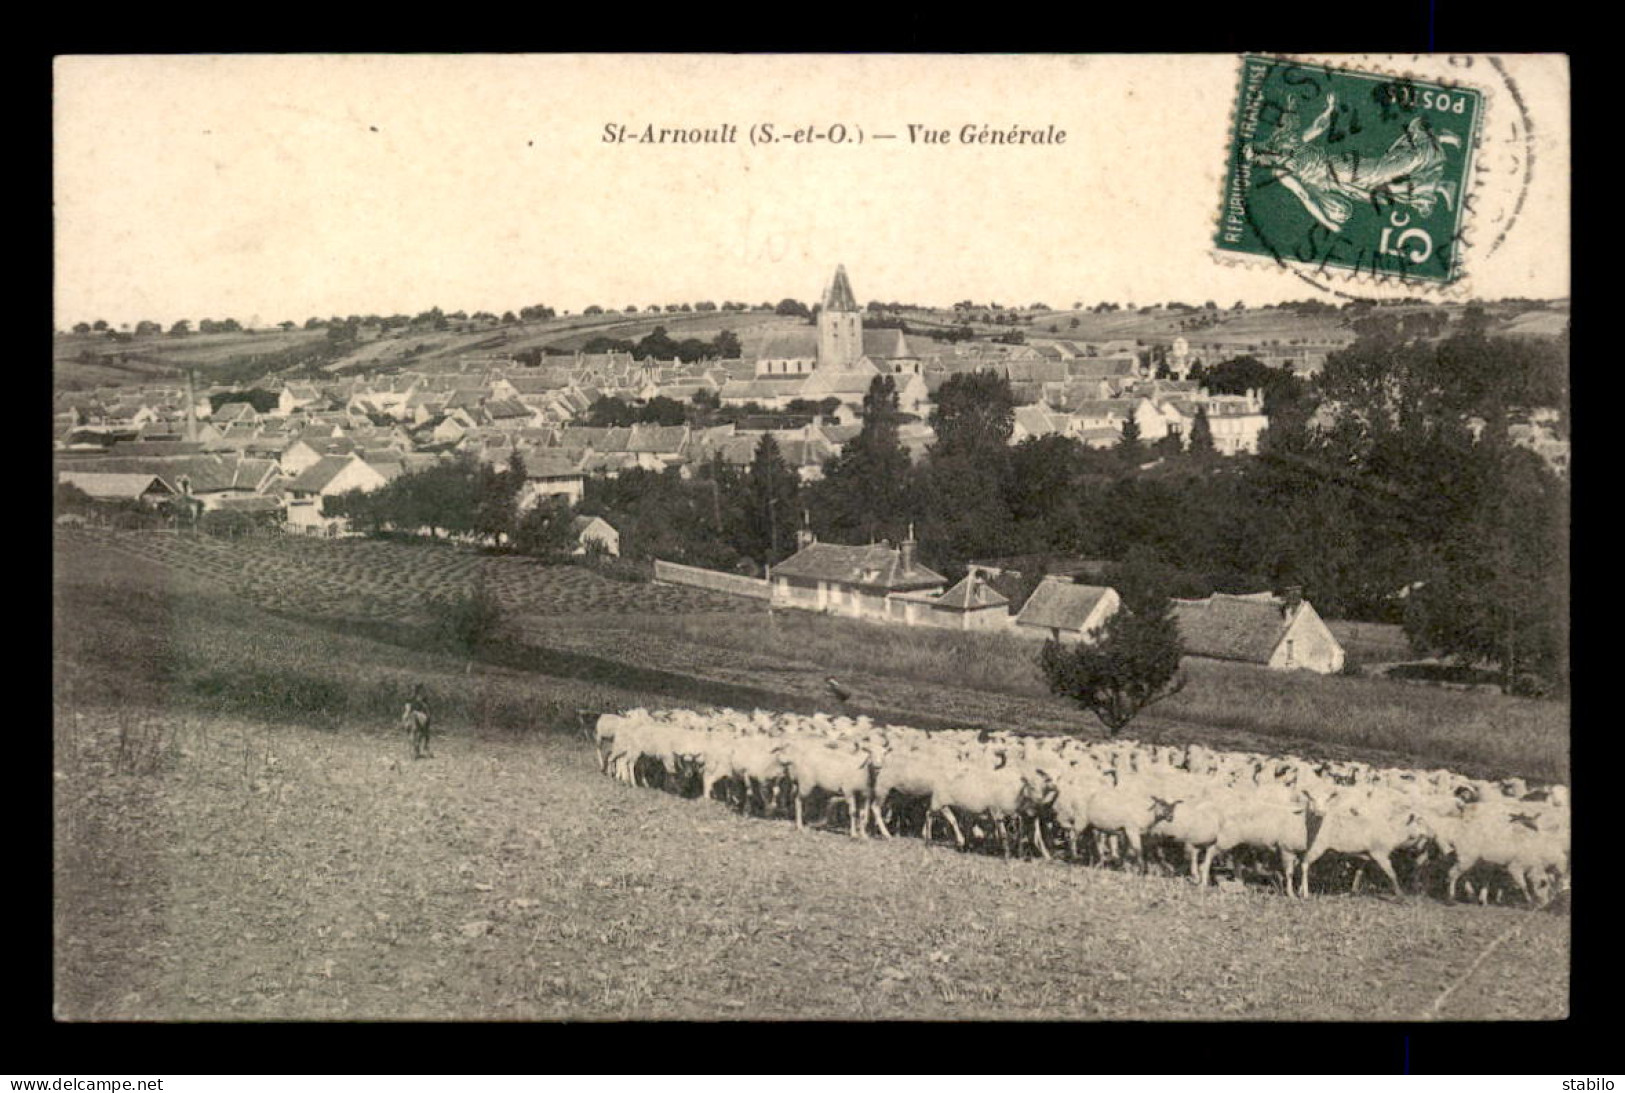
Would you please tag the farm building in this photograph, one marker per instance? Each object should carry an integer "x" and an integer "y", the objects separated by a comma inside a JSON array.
[
  {"x": 857, "y": 581},
  {"x": 148, "y": 489},
  {"x": 972, "y": 604},
  {"x": 588, "y": 530},
  {"x": 1064, "y": 610},
  {"x": 1277, "y": 632}
]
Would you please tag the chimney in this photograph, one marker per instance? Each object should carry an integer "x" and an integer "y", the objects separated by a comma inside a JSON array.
[
  {"x": 804, "y": 534},
  {"x": 906, "y": 548},
  {"x": 1291, "y": 597}
]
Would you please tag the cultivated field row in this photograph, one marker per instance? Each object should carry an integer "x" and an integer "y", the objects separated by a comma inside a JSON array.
[{"x": 372, "y": 579}]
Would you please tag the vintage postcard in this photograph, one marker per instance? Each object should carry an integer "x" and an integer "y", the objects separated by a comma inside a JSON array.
[{"x": 781, "y": 538}]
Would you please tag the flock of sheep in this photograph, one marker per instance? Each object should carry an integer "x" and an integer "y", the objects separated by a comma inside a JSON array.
[{"x": 1111, "y": 802}]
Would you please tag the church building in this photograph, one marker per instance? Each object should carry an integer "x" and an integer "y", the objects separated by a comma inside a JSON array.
[{"x": 839, "y": 344}]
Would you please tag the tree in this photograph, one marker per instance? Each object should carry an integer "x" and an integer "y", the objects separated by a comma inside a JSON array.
[
  {"x": 610, "y": 411},
  {"x": 658, "y": 344},
  {"x": 793, "y": 308},
  {"x": 262, "y": 400},
  {"x": 728, "y": 346},
  {"x": 1202, "y": 435},
  {"x": 81, "y": 328},
  {"x": 1497, "y": 589},
  {"x": 865, "y": 491},
  {"x": 974, "y": 414},
  {"x": 496, "y": 497},
  {"x": 661, "y": 410},
  {"x": 768, "y": 509},
  {"x": 1126, "y": 665},
  {"x": 181, "y": 328},
  {"x": 1129, "y": 447},
  {"x": 544, "y": 530}
]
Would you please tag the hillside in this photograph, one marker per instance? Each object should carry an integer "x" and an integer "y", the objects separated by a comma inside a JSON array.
[
  {"x": 86, "y": 360},
  {"x": 241, "y": 836}
]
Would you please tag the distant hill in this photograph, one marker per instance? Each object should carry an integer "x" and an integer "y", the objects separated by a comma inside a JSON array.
[{"x": 89, "y": 360}]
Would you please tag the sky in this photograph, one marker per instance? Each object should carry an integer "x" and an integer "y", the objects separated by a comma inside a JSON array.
[{"x": 280, "y": 187}]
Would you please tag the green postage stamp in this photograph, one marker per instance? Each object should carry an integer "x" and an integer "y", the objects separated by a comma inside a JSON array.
[{"x": 1349, "y": 172}]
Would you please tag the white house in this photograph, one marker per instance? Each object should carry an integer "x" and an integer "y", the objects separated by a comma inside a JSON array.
[
  {"x": 327, "y": 477},
  {"x": 550, "y": 472},
  {"x": 595, "y": 529}
]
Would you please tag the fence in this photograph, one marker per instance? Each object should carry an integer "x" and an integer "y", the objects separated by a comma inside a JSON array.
[{"x": 731, "y": 583}]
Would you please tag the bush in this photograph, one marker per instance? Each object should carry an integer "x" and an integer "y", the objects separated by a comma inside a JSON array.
[
  {"x": 468, "y": 624},
  {"x": 270, "y": 693},
  {"x": 617, "y": 569}
]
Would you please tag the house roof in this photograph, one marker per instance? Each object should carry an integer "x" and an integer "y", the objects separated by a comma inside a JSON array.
[
  {"x": 877, "y": 566},
  {"x": 1233, "y": 627},
  {"x": 539, "y": 384},
  {"x": 505, "y": 409},
  {"x": 765, "y": 388},
  {"x": 1036, "y": 420},
  {"x": 971, "y": 594},
  {"x": 1101, "y": 367},
  {"x": 579, "y": 524},
  {"x": 847, "y": 381},
  {"x": 236, "y": 411},
  {"x": 126, "y": 487},
  {"x": 252, "y": 503},
  {"x": 1059, "y": 604},
  {"x": 1035, "y": 371},
  {"x": 657, "y": 439},
  {"x": 549, "y": 463},
  {"x": 320, "y": 474}
]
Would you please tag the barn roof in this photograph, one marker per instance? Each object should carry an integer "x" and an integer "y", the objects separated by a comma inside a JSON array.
[
  {"x": 1229, "y": 627},
  {"x": 1059, "y": 604}
]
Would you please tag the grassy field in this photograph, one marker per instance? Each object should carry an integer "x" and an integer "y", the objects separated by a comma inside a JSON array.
[
  {"x": 1237, "y": 705},
  {"x": 148, "y": 357},
  {"x": 241, "y": 836},
  {"x": 685, "y": 642}
]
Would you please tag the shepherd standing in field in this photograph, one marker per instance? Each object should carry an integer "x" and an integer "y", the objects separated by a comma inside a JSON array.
[{"x": 416, "y": 720}]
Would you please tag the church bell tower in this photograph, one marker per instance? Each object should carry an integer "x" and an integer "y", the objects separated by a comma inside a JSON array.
[{"x": 840, "y": 325}]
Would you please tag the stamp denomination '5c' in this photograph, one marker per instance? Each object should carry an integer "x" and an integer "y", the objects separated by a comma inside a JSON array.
[{"x": 1339, "y": 170}]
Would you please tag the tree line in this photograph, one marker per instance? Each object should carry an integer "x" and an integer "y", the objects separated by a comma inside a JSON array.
[{"x": 1387, "y": 491}]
